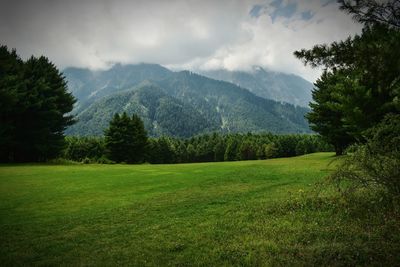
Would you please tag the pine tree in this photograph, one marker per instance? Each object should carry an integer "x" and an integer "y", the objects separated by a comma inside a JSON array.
[
  {"x": 126, "y": 139},
  {"x": 361, "y": 81},
  {"x": 34, "y": 108},
  {"x": 326, "y": 116},
  {"x": 231, "y": 149},
  {"x": 11, "y": 88}
]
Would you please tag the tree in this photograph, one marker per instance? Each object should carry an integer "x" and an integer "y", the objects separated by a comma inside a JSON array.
[
  {"x": 306, "y": 145},
  {"x": 326, "y": 116},
  {"x": 126, "y": 139},
  {"x": 246, "y": 150},
  {"x": 270, "y": 150},
  {"x": 231, "y": 149},
  {"x": 166, "y": 152},
  {"x": 80, "y": 148},
  {"x": 219, "y": 150},
  {"x": 11, "y": 87},
  {"x": 361, "y": 81},
  {"x": 35, "y": 106},
  {"x": 370, "y": 11}
]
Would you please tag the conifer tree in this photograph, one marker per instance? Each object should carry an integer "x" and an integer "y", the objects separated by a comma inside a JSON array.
[
  {"x": 35, "y": 106},
  {"x": 361, "y": 81},
  {"x": 126, "y": 139}
]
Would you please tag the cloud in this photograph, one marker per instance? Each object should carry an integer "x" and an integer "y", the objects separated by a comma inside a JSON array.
[
  {"x": 271, "y": 40},
  {"x": 180, "y": 34},
  {"x": 307, "y": 15}
]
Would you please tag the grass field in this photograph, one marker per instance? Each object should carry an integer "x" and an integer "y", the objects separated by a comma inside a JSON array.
[{"x": 220, "y": 214}]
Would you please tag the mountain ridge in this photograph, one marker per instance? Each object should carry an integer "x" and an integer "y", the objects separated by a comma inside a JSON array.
[
  {"x": 273, "y": 85},
  {"x": 180, "y": 103}
]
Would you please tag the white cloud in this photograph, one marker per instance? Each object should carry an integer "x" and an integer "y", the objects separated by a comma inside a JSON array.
[
  {"x": 271, "y": 44},
  {"x": 180, "y": 34}
]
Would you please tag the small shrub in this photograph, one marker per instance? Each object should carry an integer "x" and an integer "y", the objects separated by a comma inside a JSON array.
[
  {"x": 377, "y": 162},
  {"x": 104, "y": 160},
  {"x": 62, "y": 161},
  {"x": 86, "y": 161}
]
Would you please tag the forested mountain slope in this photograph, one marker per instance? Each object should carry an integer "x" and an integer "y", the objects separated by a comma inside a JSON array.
[
  {"x": 175, "y": 103},
  {"x": 277, "y": 86}
]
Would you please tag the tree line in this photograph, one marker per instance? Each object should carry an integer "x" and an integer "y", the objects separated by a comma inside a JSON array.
[{"x": 119, "y": 146}]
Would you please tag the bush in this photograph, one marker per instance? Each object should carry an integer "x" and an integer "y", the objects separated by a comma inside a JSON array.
[
  {"x": 375, "y": 163},
  {"x": 86, "y": 161},
  {"x": 104, "y": 160},
  {"x": 79, "y": 148},
  {"x": 62, "y": 161}
]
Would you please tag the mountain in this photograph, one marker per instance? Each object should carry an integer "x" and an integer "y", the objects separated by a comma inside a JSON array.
[
  {"x": 175, "y": 103},
  {"x": 87, "y": 86},
  {"x": 268, "y": 84},
  {"x": 159, "y": 112}
]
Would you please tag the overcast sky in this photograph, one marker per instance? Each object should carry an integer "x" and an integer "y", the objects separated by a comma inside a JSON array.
[{"x": 202, "y": 34}]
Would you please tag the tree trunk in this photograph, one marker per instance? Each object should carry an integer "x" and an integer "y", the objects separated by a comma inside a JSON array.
[{"x": 338, "y": 150}]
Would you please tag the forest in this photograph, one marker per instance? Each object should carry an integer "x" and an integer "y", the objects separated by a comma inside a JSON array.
[{"x": 203, "y": 148}]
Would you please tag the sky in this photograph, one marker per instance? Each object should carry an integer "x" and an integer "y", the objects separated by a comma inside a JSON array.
[{"x": 192, "y": 34}]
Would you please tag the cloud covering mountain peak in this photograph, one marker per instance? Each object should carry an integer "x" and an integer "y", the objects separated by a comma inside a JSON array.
[{"x": 234, "y": 35}]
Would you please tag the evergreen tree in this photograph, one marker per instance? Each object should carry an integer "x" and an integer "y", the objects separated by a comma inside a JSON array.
[
  {"x": 370, "y": 11},
  {"x": 270, "y": 150},
  {"x": 219, "y": 150},
  {"x": 231, "y": 149},
  {"x": 246, "y": 151},
  {"x": 11, "y": 88},
  {"x": 361, "y": 82},
  {"x": 326, "y": 116},
  {"x": 34, "y": 108},
  {"x": 126, "y": 139},
  {"x": 167, "y": 154},
  {"x": 191, "y": 153}
]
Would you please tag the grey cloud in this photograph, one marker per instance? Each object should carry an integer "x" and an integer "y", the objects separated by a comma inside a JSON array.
[{"x": 181, "y": 34}]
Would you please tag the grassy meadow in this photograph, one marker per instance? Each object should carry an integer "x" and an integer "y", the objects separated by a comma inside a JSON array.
[{"x": 249, "y": 213}]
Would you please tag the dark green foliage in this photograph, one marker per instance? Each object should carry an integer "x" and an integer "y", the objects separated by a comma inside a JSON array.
[
  {"x": 34, "y": 108},
  {"x": 247, "y": 151},
  {"x": 377, "y": 162},
  {"x": 204, "y": 148},
  {"x": 126, "y": 139},
  {"x": 231, "y": 150},
  {"x": 80, "y": 148},
  {"x": 160, "y": 151},
  {"x": 270, "y": 151},
  {"x": 231, "y": 147},
  {"x": 361, "y": 81},
  {"x": 326, "y": 116},
  {"x": 219, "y": 150},
  {"x": 12, "y": 87}
]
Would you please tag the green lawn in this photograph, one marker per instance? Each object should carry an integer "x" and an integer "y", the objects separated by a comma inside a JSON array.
[{"x": 220, "y": 214}]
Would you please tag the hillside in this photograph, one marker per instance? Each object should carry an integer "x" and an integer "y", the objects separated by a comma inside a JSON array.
[
  {"x": 268, "y": 84},
  {"x": 175, "y": 103},
  {"x": 161, "y": 113},
  {"x": 88, "y": 86}
]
